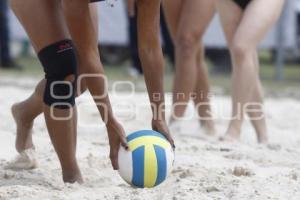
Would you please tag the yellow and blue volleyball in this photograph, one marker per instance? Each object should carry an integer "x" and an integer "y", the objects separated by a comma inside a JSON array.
[{"x": 148, "y": 161}]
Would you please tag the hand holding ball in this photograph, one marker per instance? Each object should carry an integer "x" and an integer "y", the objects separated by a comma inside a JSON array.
[{"x": 148, "y": 161}]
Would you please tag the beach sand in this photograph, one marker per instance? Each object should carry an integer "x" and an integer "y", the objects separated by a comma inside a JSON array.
[{"x": 204, "y": 169}]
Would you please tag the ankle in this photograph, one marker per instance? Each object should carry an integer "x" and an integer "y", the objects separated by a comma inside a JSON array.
[
  {"x": 234, "y": 129},
  {"x": 208, "y": 126},
  {"x": 24, "y": 147},
  {"x": 262, "y": 138},
  {"x": 72, "y": 176}
]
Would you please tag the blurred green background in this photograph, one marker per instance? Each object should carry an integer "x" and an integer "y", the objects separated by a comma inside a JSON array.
[{"x": 289, "y": 87}]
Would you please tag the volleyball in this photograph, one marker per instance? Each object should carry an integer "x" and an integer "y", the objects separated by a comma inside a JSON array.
[{"x": 148, "y": 161}]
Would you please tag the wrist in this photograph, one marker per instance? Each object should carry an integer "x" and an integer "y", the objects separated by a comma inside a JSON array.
[
  {"x": 159, "y": 121},
  {"x": 159, "y": 117}
]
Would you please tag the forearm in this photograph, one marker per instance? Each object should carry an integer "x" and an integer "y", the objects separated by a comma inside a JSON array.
[
  {"x": 153, "y": 67},
  {"x": 150, "y": 53}
]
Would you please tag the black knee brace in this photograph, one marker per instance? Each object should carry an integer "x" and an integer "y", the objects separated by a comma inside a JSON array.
[{"x": 60, "y": 66}]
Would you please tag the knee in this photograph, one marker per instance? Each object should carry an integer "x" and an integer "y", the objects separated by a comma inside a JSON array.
[
  {"x": 243, "y": 55},
  {"x": 60, "y": 65},
  {"x": 186, "y": 43},
  {"x": 240, "y": 49}
]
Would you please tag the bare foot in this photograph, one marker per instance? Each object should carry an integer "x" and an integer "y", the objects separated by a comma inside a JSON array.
[
  {"x": 208, "y": 127},
  {"x": 232, "y": 134},
  {"x": 229, "y": 138},
  {"x": 73, "y": 176},
  {"x": 262, "y": 138},
  {"x": 24, "y": 128},
  {"x": 26, "y": 160}
]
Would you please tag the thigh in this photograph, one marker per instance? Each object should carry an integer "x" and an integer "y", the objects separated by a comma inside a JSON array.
[
  {"x": 259, "y": 17},
  {"x": 172, "y": 11},
  {"x": 195, "y": 16},
  {"x": 82, "y": 29},
  {"x": 230, "y": 17},
  {"x": 42, "y": 19},
  {"x": 148, "y": 23},
  {"x": 95, "y": 16}
]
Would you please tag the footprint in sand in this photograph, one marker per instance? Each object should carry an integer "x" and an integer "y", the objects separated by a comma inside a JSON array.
[
  {"x": 210, "y": 148},
  {"x": 224, "y": 149},
  {"x": 194, "y": 148},
  {"x": 294, "y": 175},
  {"x": 8, "y": 175},
  {"x": 104, "y": 144},
  {"x": 90, "y": 159},
  {"x": 185, "y": 174},
  {"x": 177, "y": 170},
  {"x": 212, "y": 189},
  {"x": 242, "y": 171},
  {"x": 235, "y": 156},
  {"x": 123, "y": 185},
  {"x": 274, "y": 147}
]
